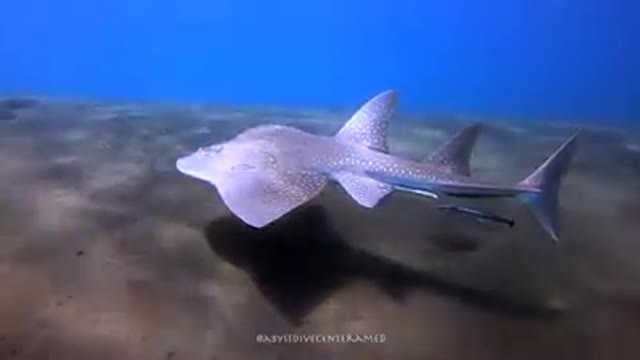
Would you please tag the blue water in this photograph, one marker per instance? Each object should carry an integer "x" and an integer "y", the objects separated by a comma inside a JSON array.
[{"x": 573, "y": 59}]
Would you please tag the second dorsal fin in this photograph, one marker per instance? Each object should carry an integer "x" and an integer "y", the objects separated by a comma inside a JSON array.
[{"x": 454, "y": 155}]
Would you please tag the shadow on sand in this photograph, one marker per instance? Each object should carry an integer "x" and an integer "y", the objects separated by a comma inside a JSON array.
[{"x": 299, "y": 261}]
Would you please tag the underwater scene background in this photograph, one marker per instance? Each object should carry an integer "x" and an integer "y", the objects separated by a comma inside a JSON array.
[{"x": 108, "y": 252}]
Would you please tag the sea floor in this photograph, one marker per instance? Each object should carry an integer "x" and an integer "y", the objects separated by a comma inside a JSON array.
[{"x": 107, "y": 252}]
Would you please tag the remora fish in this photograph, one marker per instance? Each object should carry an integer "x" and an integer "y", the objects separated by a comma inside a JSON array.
[
  {"x": 269, "y": 170},
  {"x": 477, "y": 214}
]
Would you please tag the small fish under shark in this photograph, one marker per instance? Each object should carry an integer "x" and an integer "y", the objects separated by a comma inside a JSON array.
[
  {"x": 268, "y": 170},
  {"x": 480, "y": 216}
]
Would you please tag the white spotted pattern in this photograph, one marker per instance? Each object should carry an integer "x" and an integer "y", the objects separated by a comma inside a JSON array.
[
  {"x": 368, "y": 126},
  {"x": 261, "y": 197},
  {"x": 454, "y": 156},
  {"x": 267, "y": 171},
  {"x": 365, "y": 191}
]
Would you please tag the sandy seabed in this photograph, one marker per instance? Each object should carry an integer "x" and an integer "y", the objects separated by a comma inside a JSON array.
[{"x": 107, "y": 252}]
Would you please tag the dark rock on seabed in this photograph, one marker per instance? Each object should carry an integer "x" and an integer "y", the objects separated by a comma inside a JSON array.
[{"x": 18, "y": 103}]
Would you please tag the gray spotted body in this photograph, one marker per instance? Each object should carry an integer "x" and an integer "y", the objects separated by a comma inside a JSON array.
[{"x": 269, "y": 170}]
